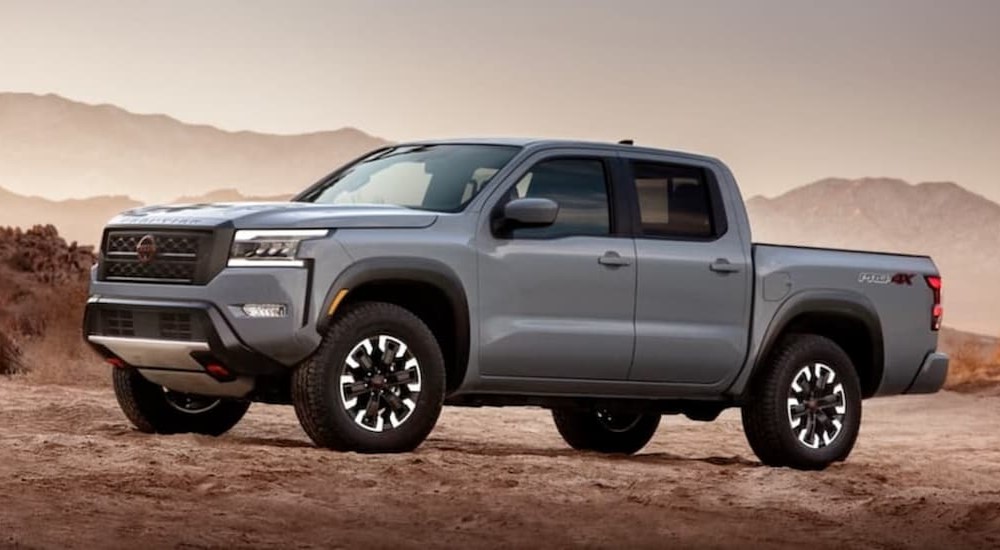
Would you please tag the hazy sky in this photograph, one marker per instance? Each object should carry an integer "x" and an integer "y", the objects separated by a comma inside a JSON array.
[{"x": 786, "y": 91}]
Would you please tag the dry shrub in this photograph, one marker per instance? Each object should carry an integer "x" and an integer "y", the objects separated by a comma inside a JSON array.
[
  {"x": 43, "y": 291},
  {"x": 60, "y": 355},
  {"x": 10, "y": 356},
  {"x": 44, "y": 255}
]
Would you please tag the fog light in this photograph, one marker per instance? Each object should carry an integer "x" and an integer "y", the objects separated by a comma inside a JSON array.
[{"x": 265, "y": 311}]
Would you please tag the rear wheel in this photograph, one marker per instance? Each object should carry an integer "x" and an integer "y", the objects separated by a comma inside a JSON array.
[
  {"x": 804, "y": 410},
  {"x": 154, "y": 409},
  {"x": 605, "y": 431},
  {"x": 376, "y": 385}
]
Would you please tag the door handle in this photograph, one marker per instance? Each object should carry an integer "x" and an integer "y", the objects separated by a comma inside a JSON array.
[
  {"x": 722, "y": 265},
  {"x": 613, "y": 259}
]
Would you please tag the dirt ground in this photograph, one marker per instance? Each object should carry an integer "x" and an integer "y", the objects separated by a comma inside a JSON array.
[{"x": 925, "y": 473}]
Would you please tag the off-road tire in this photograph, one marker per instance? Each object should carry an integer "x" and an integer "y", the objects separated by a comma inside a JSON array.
[
  {"x": 148, "y": 408},
  {"x": 767, "y": 419},
  {"x": 316, "y": 384},
  {"x": 585, "y": 430}
]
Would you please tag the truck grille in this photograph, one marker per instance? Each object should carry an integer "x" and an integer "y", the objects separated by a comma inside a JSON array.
[
  {"x": 167, "y": 246},
  {"x": 170, "y": 257}
]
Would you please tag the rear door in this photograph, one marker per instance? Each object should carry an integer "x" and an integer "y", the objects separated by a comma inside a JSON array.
[{"x": 694, "y": 274}]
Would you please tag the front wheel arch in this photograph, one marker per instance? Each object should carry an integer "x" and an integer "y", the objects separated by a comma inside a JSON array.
[{"x": 419, "y": 285}]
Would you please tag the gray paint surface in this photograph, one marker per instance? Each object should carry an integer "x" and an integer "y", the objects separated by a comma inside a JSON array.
[{"x": 546, "y": 317}]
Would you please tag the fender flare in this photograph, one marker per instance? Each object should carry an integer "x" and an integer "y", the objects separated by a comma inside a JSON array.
[
  {"x": 408, "y": 270},
  {"x": 839, "y": 303}
]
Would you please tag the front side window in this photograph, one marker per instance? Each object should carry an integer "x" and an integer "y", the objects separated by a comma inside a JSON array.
[
  {"x": 674, "y": 201},
  {"x": 438, "y": 177},
  {"x": 578, "y": 186}
]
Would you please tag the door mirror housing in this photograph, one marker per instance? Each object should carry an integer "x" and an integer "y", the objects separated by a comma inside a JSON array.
[{"x": 529, "y": 212}]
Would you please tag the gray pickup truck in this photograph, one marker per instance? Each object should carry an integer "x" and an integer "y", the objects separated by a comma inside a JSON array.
[{"x": 609, "y": 283}]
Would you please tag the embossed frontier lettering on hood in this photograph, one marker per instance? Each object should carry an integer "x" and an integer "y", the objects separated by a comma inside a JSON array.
[{"x": 279, "y": 215}]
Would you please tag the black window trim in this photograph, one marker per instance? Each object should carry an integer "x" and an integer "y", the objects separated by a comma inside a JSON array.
[
  {"x": 717, "y": 208},
  {"x": 619, "y": 214}
]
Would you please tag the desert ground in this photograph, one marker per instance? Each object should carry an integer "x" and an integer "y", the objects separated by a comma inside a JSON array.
[{"x": 73, "y": 473}]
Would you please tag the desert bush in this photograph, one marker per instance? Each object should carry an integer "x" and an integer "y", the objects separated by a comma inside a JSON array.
[
  {"x": 10, "y": 356},
  {"x": 43, "y": 254},
  {"x": 59, "y": 355},
  {"x": 43, "y": 291}
]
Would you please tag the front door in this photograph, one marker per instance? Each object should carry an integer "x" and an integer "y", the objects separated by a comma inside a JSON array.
[{"x": 558, "y": 301}]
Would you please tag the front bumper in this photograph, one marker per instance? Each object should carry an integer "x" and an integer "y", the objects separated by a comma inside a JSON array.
[
  {"x": 137, "y": 336},
  {"x": 172, "y": 333},
  {"x": 931, "y": 376}
]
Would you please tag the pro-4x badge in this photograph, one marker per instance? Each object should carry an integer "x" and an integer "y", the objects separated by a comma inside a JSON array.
[{"x": 885, "y": 278}]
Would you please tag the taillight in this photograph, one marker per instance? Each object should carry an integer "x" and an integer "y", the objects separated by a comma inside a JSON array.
[{"x": 937, "y": 311}]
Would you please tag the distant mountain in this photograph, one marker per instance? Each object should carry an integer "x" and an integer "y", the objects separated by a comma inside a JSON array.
[
  {"x": 77, "y": 219},
  {"x": 81, "y": 220},
  {"x": 54, "y": 147},
  {"x": 959, "y": 229}
]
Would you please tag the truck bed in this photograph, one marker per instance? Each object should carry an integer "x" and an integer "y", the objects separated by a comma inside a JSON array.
[{"x": 892, "y": 286}]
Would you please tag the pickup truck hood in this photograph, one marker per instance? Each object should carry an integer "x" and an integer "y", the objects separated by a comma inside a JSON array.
[{"x": 276, "y": 215}]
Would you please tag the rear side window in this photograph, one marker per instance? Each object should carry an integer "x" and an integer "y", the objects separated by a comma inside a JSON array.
[
  {"x": 580, "y": 188},
  {"x": 674, "y": 201}
]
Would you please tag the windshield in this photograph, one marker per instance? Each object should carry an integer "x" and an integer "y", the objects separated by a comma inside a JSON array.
[{"x": 443, "y": 178}]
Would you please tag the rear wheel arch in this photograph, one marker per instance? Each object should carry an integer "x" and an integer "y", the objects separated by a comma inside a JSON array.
[
  {"x": 848, "y": 319},
  {"x": 429, "y": 289}
]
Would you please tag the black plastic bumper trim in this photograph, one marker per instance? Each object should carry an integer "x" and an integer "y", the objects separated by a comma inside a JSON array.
[
  {"x": 225, "y": 346},
  {"x": 931, "y": 376}
]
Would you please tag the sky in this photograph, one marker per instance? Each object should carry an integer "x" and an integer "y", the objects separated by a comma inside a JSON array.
[{"x": 787, "y": 92}]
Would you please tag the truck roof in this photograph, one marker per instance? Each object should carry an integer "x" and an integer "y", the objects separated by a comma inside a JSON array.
[{"x": 548, "y": 143}]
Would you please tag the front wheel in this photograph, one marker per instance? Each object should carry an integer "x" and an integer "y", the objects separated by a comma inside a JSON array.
[
  {"x": 376, "y": 385},
  {"x": 804, "y": 409},
  {"x": 154, "y": 409},
  {"x": 605, "y": 431}
]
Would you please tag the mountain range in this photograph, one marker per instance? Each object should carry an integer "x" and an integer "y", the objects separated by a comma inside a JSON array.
[
  {"x": 77, "y": 219},
  {"x": 81, "y": 220},
  {"x": 55, "y": 147}
]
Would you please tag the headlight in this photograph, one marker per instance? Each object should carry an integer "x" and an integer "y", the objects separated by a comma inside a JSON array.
[{"x": 270, "y": 248}]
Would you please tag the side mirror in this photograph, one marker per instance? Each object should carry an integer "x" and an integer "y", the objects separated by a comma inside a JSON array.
[{"x": 531, "y": 212}]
